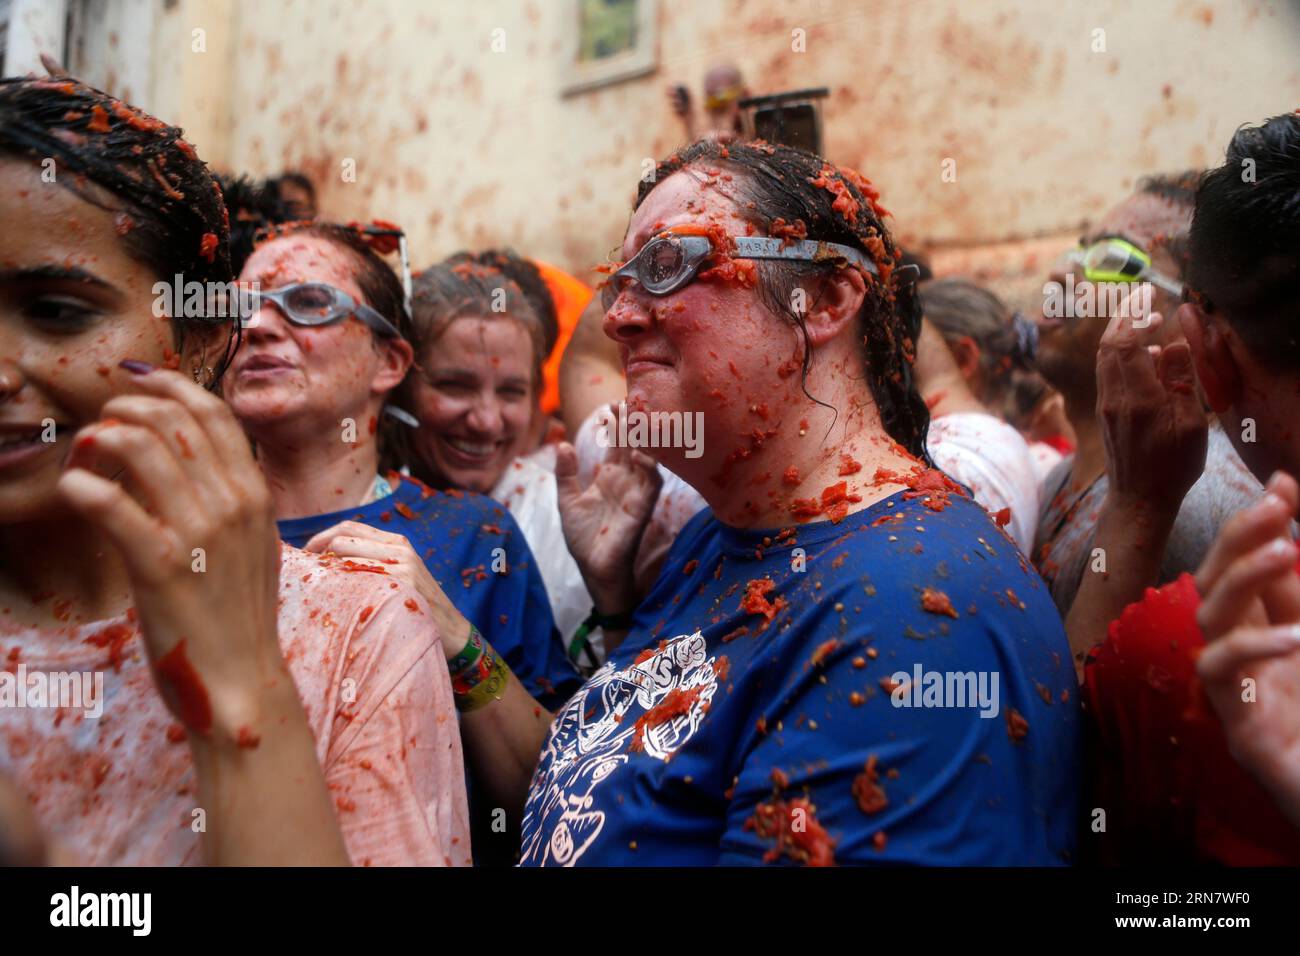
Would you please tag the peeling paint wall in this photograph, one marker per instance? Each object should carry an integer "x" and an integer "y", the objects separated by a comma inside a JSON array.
[{"x": 467, "y": 147}]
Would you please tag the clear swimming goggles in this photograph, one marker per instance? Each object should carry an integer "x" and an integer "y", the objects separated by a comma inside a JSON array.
[
  {"x": 1118, "y": 260},
  {"x": 314, "y": 304},
  {"x": 670, "y": 261}
]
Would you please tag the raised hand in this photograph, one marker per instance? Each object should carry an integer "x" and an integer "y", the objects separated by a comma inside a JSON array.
[
  {"x": 393, "y": 552},
  {"x": 679, "y": 99},
  {"x": 193, "y": 520},
  {"x": 603, "y": 522},
  {"x": 1152, "y": 422},
  {"x": 1250, "y": 615},
  {"x": 188, "y": 510}
]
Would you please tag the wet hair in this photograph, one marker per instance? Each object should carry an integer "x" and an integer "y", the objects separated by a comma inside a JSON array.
[
  {"x": 169, "y": 210},
  {"x": 464, "y": 286},
  {"x": 379, "y": 285},
  {"x": 294, "y": 178},
  {"x": 1179, "y": 189},
  {"x": 253, "y": 205},
  {"x": 958, "y": 308},
  {"x": 528, "y": 278},
  {"x": 833, "y": 205},
  {"x": 1245, "y": 240},
  {"x": 461, "y": 286},
  {"x": 909, "y": 258}
]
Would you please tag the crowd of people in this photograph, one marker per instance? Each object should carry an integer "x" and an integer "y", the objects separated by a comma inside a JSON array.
[{"x": 370, "y": 571}]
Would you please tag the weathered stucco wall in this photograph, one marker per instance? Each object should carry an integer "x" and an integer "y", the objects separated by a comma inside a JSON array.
[{"x": 469, "y": 147}]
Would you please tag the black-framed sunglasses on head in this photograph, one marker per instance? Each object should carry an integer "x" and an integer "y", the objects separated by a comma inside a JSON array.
[{"x": 670, "y": 261}]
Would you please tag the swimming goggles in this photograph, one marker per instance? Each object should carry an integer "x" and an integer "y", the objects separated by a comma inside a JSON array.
[
  {"x": 314, "y": 304},
  {"x": 670, "y": 261},
  {"x": 1118, "y": 260}
]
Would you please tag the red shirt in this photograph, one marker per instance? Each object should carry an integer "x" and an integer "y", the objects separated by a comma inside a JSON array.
[{"x": 1163, "y": 774}]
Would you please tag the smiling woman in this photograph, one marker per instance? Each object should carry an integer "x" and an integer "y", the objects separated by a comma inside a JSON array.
[
  {"x": 310, "y": 394},
  {"x": 474, "y": 388},
  {"x": 137, "y": 540},
  {"x": 751, "y": 714}
]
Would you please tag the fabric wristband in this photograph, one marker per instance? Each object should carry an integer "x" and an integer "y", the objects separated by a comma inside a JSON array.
[
  {"x": 492, "y": 674},
  {"x": 608, "y": 622},
  {"x": 469, "y": 654},
  {"x": 611, "y": 622}
]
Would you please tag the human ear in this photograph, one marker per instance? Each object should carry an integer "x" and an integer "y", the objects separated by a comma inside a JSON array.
[
  {"x": 1215, "y": 366},
  {"x": 966, "y": 353},
  {"x": 395, "y": 355},
  {"x": 836, "y": 303}
]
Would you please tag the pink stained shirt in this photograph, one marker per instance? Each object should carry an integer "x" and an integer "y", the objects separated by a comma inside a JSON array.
[{"x": 120, "y": 789}]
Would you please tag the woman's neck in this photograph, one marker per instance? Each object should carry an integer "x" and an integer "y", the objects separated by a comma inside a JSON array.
[
  {"x": 58, "y": 572},
  {"x": 319, "y": 474},
  {"x": 948, "y": 393},
  {"x": 792, "y": 475}
]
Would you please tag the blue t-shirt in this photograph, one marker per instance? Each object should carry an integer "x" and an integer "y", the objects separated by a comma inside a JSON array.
[
  {"x": 748, "y": 720},
  {"x": 499, "y": 592}
]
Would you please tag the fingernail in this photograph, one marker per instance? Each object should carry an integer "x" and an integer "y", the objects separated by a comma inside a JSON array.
[
  {"x": 1292, "y": 635},
  {"x": 1281, "y": 547},
  {"x": 136, "y": 367}
]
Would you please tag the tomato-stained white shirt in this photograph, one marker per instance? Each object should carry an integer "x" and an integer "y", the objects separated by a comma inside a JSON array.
[{"x": 119, "y": 788}]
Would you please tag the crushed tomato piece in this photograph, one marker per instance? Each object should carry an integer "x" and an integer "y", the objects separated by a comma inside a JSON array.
[
  {"x": 823, "y": 651},
  {"x": 867, "y": 791},
  {"x": 936, "y": 602},
  {"x": 1017, "y": 726},
  {"x": 678, "y": 703},
  {"x": 755, "y": 600},
  {"x": 794, "y": 827}
]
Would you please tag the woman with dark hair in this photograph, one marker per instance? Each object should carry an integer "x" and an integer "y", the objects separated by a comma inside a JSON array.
[
  {"x": 221, "y": 699},
  {"x": 842, "y": 659}
]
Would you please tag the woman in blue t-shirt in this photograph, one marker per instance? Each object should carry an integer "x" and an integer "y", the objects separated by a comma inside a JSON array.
[
  {"x": 326, "y": 344},
  {"x": 844, "y": 659}
]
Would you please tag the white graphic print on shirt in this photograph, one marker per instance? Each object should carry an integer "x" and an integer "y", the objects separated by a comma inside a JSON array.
[{"x": 591, "y": 738}]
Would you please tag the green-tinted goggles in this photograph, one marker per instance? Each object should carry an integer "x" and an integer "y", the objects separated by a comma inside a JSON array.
[{"x": 1117, "y": 260}]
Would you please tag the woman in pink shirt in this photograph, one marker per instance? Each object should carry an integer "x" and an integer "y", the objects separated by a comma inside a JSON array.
[{"x": 176, "y": 686}]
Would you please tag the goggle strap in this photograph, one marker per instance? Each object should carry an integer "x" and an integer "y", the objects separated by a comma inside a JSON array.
[
  {"x": 402, "y": 415},
  {"x": 406, "y": 273},
  {"x": 758, "y": 247}
]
